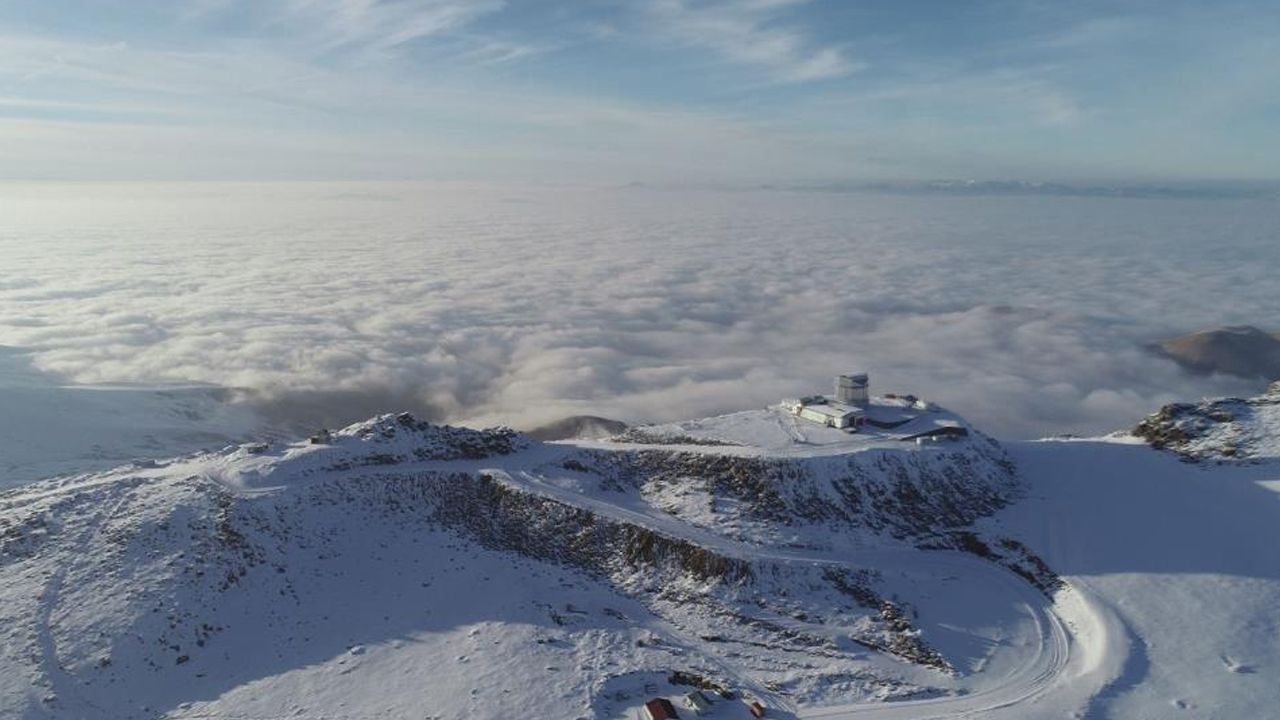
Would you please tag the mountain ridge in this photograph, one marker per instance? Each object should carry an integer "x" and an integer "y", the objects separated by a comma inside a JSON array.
[
  {"x": 238, "y": 522},
  {"x": 396, "y": 567}
]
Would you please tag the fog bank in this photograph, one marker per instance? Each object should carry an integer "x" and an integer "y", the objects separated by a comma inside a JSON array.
[{"x": 519, "y": 305}]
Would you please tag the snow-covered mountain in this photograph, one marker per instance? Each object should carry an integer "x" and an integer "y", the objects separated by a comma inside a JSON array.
[{"x": 397, "y": 568}]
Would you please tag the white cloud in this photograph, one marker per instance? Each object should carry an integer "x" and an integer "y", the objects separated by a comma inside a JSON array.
[
  {"x": 251, "y": 112},
  {"x": 515, "y": 304},
  {"x": 382, "y": 24},
  {"x": 750, "y": 32}
]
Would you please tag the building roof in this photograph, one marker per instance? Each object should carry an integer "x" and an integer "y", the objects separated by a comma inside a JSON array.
[
  {"x": 835, "y": 409},
  {"x": 696, "y": 699},
  {"x": 661, "y": 709}
]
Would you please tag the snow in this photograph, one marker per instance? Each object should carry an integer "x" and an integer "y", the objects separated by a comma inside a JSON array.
[
  {"x": 775, "y": 432},
  {"x": 1173, "y": 606},
  {"x": 1182, "y": 554},
  {"x": 326, "y": 579},
  {"x": 1233, "y": 428},
  {"x": 48, "y": 428}
]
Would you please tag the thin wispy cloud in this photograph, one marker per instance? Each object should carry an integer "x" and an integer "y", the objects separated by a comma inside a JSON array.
[
  {"x": 497, "y": 51},
  {"x": 754, "y": 33},
  {"x": 382, "y": 24},
  {"x": 825, "y": 90}
]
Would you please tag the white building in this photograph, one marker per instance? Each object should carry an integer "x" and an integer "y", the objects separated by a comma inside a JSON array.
[
  {"x": 836, "y": 415},
  {"x": 853, "y": 389},
  {"x": 846, "y": 411}
]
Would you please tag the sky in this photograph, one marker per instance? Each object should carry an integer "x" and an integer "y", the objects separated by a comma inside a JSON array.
[{"x": 733, "y": 92}]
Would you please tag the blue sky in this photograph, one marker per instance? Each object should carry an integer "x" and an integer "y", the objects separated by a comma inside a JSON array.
[{"x": 733, "y": 91}]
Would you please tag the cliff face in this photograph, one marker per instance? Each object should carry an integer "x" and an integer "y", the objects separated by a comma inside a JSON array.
[
  {"x": 901, "y": 493},
  {"x": 145, "y": 581}
]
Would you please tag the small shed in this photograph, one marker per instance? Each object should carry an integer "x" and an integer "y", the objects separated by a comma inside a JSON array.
[
  {"x": 757, "y": 710},
  {"x": 660, "y": 709}
]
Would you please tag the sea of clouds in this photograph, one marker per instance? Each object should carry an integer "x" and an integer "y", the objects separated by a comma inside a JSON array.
[{"x": 325, "y": 303}]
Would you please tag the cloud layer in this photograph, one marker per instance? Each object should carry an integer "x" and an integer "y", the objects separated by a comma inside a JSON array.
[{"x": 510, "y": 304}]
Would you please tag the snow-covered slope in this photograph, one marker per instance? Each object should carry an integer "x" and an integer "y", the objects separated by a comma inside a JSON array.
[
  {"x": 47, "y": 428},
  {"x": 1179, "y": 561},
  {"x": 396, "y": 563},
  {"x": 401, "y": 569}
]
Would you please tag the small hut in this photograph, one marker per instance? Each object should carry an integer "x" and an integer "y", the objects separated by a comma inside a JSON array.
[{"x": 660, "y": 709}]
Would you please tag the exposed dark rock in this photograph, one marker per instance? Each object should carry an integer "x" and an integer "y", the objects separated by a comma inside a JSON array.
[
  {"x": 1221, "y": 429},
  {"x": 640, "y": 436},
  {"x": 1010, "y": 553},
  {"x": 905, "y": 494}
]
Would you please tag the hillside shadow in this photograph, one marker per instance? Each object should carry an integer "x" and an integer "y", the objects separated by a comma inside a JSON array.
[
  {"x": 1137, "y": 666},
  {"x": 349, "y": 582},
  {"x": 1099, "y": 508},
  {"x": 375, "y": 595}
]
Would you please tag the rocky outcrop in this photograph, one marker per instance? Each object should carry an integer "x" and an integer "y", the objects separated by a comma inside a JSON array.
[
  {"x": 396, "y": 439},
  {"x": 902, "y": 493},
  {"x": 1222, "y": 429},
  {"x": 1006, "y": 551}
]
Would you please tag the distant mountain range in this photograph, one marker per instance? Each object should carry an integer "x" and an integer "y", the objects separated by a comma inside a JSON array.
[{"x": 1200, "y": 190}]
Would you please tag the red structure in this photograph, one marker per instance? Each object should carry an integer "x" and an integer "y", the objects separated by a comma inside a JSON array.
[{"x": 660, "y": 709}]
